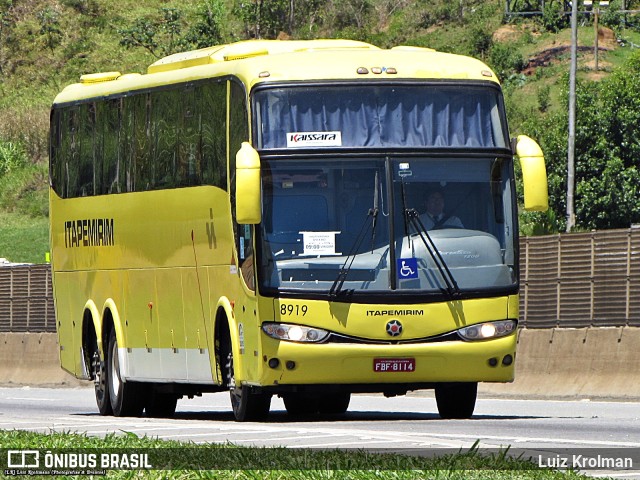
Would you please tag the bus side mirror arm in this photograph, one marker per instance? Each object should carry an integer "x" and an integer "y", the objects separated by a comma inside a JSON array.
[
  {"x": 248, "y": 204},
  {"x": 534, "y": 174}
]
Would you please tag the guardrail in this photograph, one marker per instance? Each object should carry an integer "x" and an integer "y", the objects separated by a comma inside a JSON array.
[{"x": 567, "y": 281}]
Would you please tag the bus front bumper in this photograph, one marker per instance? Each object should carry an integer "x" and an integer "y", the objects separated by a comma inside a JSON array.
[{"x": 289, "y": 363}]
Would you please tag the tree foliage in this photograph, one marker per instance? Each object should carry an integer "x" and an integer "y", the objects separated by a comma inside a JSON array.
[
  {"x": 168, "y": 32},
  {"x": 607, "y": 188}
]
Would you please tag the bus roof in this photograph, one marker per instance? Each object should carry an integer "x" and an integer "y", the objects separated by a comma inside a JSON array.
[{"x": 257, "y": 61}]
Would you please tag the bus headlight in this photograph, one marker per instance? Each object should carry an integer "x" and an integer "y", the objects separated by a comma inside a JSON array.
[
  {"x": 294, "y": 333},
  {"x": 483, "y": 331}
]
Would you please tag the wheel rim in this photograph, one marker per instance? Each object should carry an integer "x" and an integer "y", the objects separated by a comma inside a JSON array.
[
  {"x": 115, "y": 371},
  {"x": 98, "y": 375},
  {"x": 234, "y": 392}
]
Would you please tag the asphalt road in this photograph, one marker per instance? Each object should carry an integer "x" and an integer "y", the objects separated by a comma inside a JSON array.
[{"x": 372, "y": 422}]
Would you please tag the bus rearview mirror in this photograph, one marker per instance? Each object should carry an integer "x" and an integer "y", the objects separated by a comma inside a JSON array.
[
  {"x": 534, "y": 174},
  {"x": 248, "y": 203}
]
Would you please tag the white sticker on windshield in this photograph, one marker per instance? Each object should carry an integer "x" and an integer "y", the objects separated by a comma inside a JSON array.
[
  {"x": 314, "y": 139},
  {"x": 319, "y": 243}
]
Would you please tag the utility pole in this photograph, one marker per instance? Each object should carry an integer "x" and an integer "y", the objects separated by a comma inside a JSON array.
[
  {"x": 596, "y": 11},
  {"x": 571, "y": 150}
]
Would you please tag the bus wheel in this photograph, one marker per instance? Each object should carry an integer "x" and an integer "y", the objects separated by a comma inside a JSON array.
[
  {"x": 456, "y": 400},
  {"x": 161, "y": 405},
  {"x": 100, "y": 383},
  {"x": 127, "y": 398},
  {"x": 334, "y": 403},
  {"x": 247, "y": 406},
  {"x": 300, "y": 404}
]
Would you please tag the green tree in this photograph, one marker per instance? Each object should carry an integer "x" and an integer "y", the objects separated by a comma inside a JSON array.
[
  {"x": 167, "y": 32},
  {"x": 50, "y": 29},
  {"x": 207, "y": 29},
  {"x": 607, "y": 151}
]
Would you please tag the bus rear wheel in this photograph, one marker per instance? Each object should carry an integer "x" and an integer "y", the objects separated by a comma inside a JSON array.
[
  {"x": 456, "y": 400},
  {"x": 247, "y": 405},
  {"x": 101, "y": 387},
  {"x": 126, "y": 398}
]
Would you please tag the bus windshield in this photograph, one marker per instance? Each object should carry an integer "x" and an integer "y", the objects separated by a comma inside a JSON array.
[
  {"x": 380, "y": 116},
  {"x": 424, "y": 225}
]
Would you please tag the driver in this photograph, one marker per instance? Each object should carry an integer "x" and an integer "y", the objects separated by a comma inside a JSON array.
[{"x": 435, "y": 216}]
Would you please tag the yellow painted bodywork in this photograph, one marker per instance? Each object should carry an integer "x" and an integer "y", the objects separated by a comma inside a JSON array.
[{"x": 170, "y": 265}]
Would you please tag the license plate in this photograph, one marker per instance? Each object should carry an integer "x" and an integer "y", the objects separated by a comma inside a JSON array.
[{"x": 393, "y": 365}]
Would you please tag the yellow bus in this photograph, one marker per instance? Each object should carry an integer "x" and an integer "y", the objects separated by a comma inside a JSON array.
[{"x": 256, "y": 218}]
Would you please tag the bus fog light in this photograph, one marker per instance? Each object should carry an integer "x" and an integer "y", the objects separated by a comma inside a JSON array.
[
  {"x": 488, "y": 330},
  {"x": 507, "y": 360},
  {"x": 294, "y": 333},
  {"x": 274, "y": 362}
]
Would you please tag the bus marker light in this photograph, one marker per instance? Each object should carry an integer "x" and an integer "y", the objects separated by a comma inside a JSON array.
[
  {"x": 376, "y": 70},
  {"x": 392, "y": 71},
  {"x": 362, "y": 71}
]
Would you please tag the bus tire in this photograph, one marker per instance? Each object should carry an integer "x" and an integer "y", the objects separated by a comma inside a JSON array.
[
  {"x": 456, "y": 400},
  {"x": 100, "y": 383},
  {"x": 334, "y": 403},
  {"x": 247, "y": 405},
  {"x": 161, "y": 405},
  {"x": 127, "y": 398},
  {"x": 300, "y": 404}
]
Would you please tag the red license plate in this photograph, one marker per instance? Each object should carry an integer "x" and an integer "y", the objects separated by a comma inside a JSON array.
[{"x": 394, "y": 365}]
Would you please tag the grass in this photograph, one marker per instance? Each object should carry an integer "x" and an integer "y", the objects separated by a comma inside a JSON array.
[
  {"x": 185, "y": 460},
  {"x": 23, "y": 239}
]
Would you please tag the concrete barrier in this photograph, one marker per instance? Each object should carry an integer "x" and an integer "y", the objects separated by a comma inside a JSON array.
[
  {"x": 32, "y": 359},
  {"x": 580, "y": 363},
  {"x": 577, "y": 363}
]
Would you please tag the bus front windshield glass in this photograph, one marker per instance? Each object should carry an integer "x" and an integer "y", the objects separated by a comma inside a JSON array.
[{"x": 419, "y": 225}]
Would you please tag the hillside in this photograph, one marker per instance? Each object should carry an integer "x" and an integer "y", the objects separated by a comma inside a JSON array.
[{"x": 47, "y": 44}]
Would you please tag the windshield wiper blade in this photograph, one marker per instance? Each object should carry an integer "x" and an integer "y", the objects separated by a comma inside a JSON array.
[
  {"x": 336, "y": 287},
  {"x": 452, "y": 286}
]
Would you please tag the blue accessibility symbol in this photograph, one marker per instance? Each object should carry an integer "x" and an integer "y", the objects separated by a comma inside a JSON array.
[{"x": 407, "y": 268}]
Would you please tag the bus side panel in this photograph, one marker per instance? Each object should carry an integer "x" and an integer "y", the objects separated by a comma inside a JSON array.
[
  {"x": 194, "y": 322},
  {"x": 141, "y": 324},
  {"x": 65, "y": 324},
  {"x": 171, "y": 334}
]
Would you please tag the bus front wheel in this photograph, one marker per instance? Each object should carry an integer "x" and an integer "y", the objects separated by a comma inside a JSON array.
[
  {"x": 247, "y": 405},
  {"x": 456, "y": 400},
  {"x": 127, "y": 398}
]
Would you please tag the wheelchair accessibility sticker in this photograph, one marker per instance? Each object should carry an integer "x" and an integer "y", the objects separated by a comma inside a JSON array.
[{"x": 407, "y": 268}]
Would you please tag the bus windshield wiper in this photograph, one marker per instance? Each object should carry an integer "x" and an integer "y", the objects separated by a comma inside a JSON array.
[
  {"x": 372, "y": 216},
  {"x": 414, "y": 219}
]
